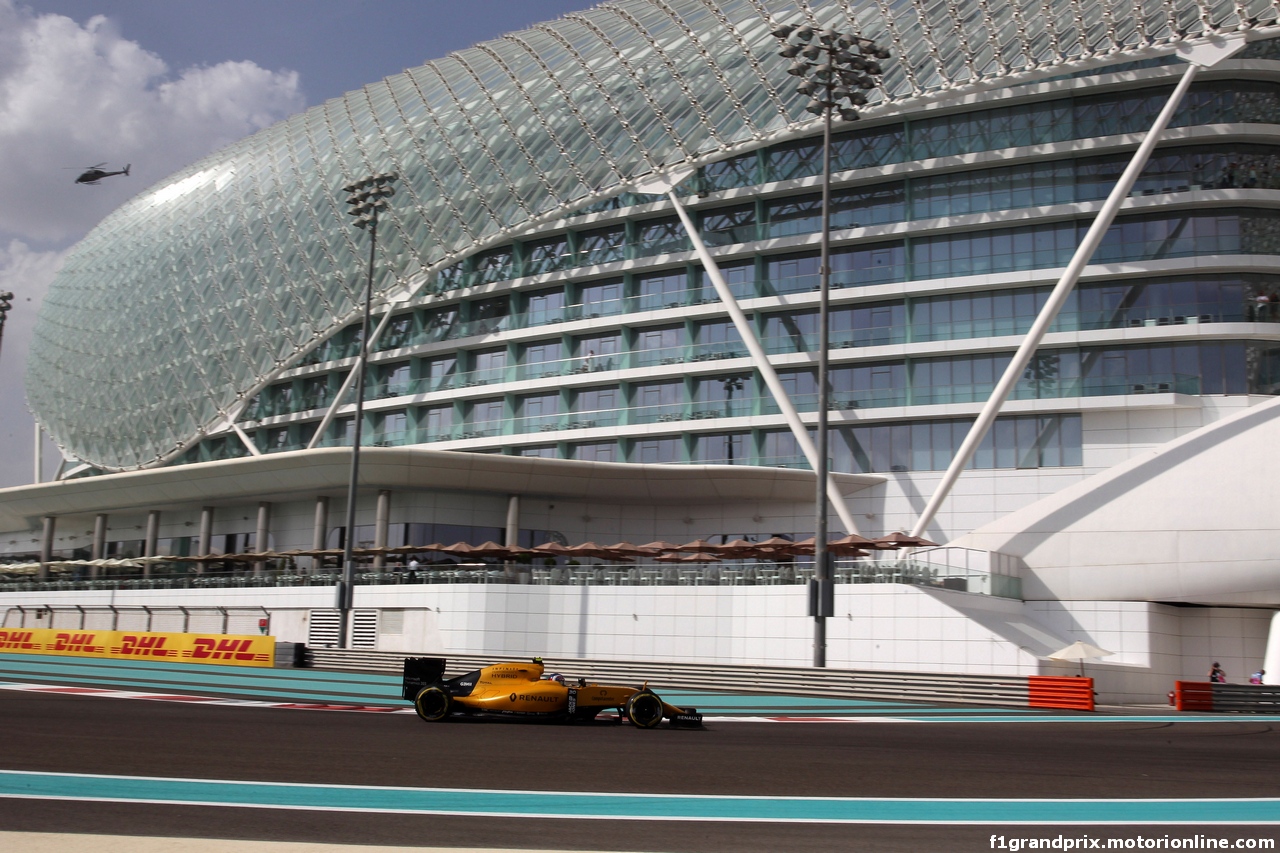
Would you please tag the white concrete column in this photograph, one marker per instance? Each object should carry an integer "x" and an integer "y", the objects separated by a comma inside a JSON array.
[
  {"x": 1271, "y": 660},
  {"x": 98, "y": 550},
  {"x": 515, "y": 573},
  {"x": 320, "y": 530},
  {"x": 50, "y": 524},
  {"x": 206, "y": 535},
  {"x": 150, "y": 540},
  {"x": 262, "y": 535},
  {"x": 381, "y": 523}
]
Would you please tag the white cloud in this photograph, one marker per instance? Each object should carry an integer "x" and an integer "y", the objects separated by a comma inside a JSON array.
[{"x": 72, "y": 96}]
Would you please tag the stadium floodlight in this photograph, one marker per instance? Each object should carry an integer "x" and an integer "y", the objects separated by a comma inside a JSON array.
[
  {"x": 836, "y": 67},
  {"x": 367, "y": 197}
]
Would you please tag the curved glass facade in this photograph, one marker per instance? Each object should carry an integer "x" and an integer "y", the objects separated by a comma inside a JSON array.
[{"x": 534, "y": 297}]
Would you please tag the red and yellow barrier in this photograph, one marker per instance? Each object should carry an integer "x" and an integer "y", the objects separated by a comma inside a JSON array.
[
  {"x": 226, "y": 649},
  {"x": 1051, "y": 691}
]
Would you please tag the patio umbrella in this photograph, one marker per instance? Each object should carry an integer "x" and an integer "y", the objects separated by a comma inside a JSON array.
[
  {"x": 551, "y": 549},
  {"x": 898, "y": 539},
  {"x": 591, "y": 549},
  {"x": 494, "y": 550},
  {"x": 777, "y": 544},
  {"x": 660, "y": 545},
  {"x": 1080, "y": 651},
  {"x": 853, "y": 540},
  {"x": 628, "y": 550},
  {"x": 686, "y": 558},
  {"x": 699, "y": 546}
]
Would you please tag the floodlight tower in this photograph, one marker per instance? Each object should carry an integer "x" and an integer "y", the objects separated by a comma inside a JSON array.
[
  {"x": 367, "y": 197},
  {"x": 837, "y": 69}
]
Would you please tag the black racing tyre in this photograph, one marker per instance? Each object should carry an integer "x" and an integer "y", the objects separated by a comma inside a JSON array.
[
  {"x": 432, "y": 704},
  {"x": 644, "y": 710}
]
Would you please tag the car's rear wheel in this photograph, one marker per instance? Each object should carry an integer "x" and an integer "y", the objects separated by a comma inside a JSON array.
[
  {"x": 432, "y": 704},
  {"x": 644, "y": 709}
]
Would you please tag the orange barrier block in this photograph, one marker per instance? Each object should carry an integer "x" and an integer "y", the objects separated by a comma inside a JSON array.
[
  {"x": 226, "y": 649},
  {"x": 1193, "y": 695},
  {"x": 1051, "y": 691}
]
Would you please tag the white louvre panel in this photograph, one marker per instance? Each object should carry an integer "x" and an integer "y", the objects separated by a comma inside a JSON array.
[
  {"x": 364, "y": 629},
  {"x": 323, "y": 628}
]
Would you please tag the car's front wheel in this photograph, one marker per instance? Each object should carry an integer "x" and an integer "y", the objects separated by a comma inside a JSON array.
[
  {"x": 644, "y": 709},
  {"x": 432, "y": 704}
]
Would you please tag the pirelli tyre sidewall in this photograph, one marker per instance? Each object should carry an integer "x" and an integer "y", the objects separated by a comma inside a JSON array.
[
  {"x": 644, "y": 709},
  {"x": 433, "y": 704}
]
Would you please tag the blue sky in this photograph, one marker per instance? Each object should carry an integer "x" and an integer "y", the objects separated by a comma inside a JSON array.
[{"x": 159, "y": 84}]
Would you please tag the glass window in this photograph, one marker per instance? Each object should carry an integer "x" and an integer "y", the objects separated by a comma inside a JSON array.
[
  {"x": 394, "y": 379},
  {"x": 487, "y": 411},
  {"x": 740, "y": 276},
  {"x": 544, "y": 306},
  {"x": 662, "y": 290},
  {"x": 399, "y": 333},
  {"x": 601, "y": 298},
  {"x": 723, "y": 449},
  {"x": 488, "y": 365},
  {"x": 729, "y": 225},
  {"x": 536, "y": 405},
  {"x": 715, "y": 339},
  {"x": 543, "y": 256},
  {"x": 437, "y": 421},
  {"x": 598, "y": 352},
  {"x": 604, "y": 398},
  {"x": 490, "y": 315},
  {"x": 660, "y": 345},
  {"x": 595, "y": 451},
  {"x": 728, "y": 174},
  {"x": 657, "y": 450},
  {"x": 660, "y": 236},
  {"x": 546, "y": 451},
  {"x": 440, "y": 324},
  {"x": 492, "y": 265},
  {"x": 603, "y": 245}
]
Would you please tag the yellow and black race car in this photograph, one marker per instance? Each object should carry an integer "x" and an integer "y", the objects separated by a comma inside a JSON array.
[{"x": 520, "y": 690}]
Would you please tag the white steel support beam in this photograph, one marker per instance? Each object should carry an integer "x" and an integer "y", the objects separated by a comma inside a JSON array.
[
  {"x": 356, "y": 369},
  {"x": 758, "y": 357},
  {"x": 1201, "y": 55}
]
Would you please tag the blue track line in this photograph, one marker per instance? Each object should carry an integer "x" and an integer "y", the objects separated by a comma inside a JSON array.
[{"x": 677, "y": 807}]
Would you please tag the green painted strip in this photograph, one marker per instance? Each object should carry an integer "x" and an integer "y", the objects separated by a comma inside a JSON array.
[{"x": 636, "y": 806}]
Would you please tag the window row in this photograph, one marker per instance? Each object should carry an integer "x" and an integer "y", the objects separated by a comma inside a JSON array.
[
  {"x": 1139, "y": 238},
  {"x": 928, "y": 445},
  {"x": 1115, "y": 304},
  {"x": 1185, "y": 368},
  {"x": 926, "y": 197}
]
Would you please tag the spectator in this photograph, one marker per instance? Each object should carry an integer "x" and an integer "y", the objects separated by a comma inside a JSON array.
[
  {"x": 1217, "y": 675},
  {"x": 1257, "y": 677}
]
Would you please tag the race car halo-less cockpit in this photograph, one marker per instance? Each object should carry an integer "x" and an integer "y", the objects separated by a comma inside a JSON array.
[{"x": 519, "y": 690}]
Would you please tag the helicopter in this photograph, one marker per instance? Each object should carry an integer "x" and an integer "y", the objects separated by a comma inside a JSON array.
[{"x": 93, "y": 174}]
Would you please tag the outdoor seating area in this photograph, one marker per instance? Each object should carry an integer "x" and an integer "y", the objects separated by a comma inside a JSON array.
[{"x": 776, "y": 561}]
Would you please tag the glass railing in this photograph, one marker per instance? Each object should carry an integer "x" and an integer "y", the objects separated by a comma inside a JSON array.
[{"x": 895, "y": 570}]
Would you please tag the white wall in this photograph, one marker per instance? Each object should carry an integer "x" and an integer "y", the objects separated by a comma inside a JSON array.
[{"x": 876, "y": 626}]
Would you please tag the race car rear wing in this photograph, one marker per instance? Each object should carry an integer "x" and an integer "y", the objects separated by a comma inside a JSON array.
[{"x": 420, "y": 673}]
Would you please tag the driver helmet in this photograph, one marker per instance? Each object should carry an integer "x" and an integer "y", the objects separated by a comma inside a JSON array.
[{"x": 555, "y": 676}]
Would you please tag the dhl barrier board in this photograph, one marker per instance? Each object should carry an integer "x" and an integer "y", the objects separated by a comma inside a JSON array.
[{"x": 227, "y": 649}]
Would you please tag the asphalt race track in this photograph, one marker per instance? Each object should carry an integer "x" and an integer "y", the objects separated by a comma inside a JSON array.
[{"x": 1019, "y": 761}]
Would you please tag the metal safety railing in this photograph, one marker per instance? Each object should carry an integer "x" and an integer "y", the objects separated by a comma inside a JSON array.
[
  {"x": 908, "y": 570},
  {"x": 995, "y": 690},
  {"x": 108, "y": 617}
]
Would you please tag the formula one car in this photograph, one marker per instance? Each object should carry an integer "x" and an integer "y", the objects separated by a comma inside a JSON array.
[{"x": 522, "y": 691}]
